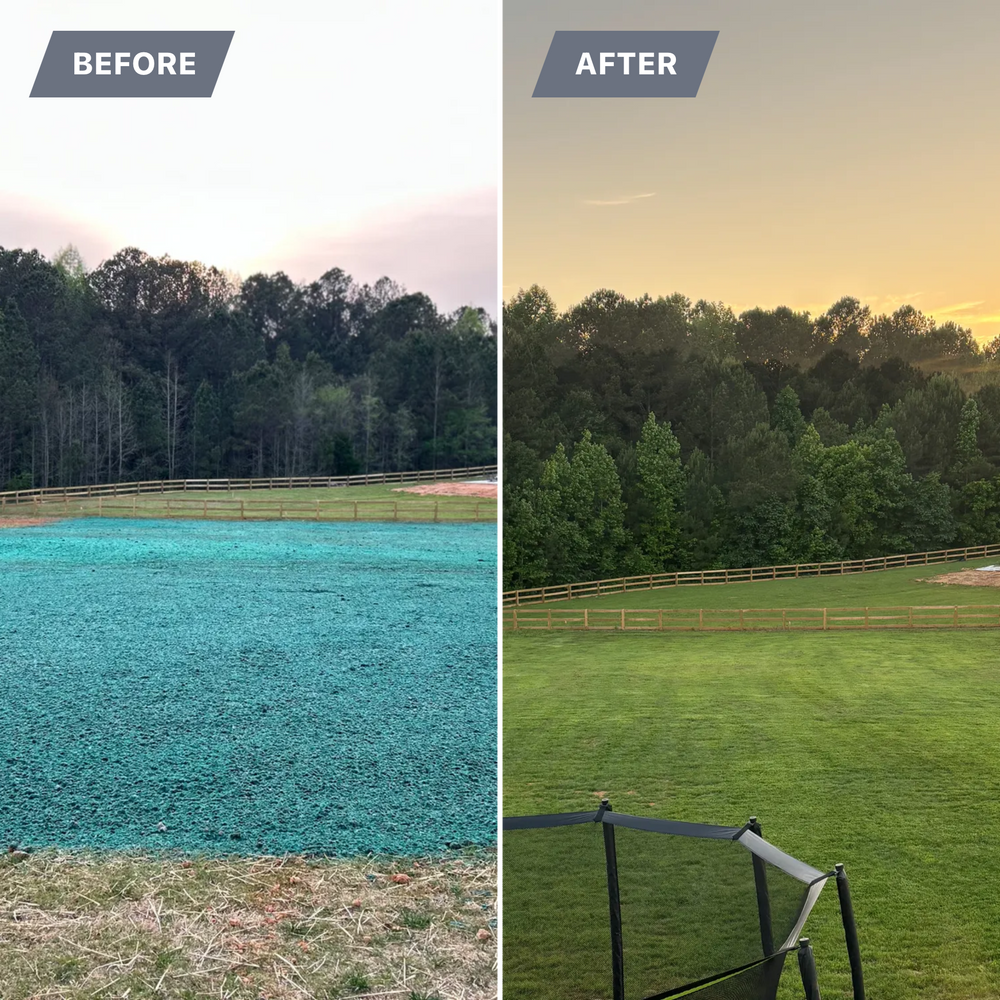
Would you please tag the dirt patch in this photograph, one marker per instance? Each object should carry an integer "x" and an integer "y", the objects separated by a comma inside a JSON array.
[
  {"x": 24, "y": 522},
  {"x": 967, "y": 578},
  {"x": 486, "y": 491}
]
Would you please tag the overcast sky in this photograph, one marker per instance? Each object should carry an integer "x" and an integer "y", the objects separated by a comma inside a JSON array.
[
  {"x": 834, "y": 149},
  {"x": 348, "y": 134}
]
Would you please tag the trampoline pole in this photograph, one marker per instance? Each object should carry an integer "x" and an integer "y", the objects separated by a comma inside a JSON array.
[
  {"x": 850, "y": 932},
  {"x": 615, "y": 906},
  {"x": 807, "y": 968},
  {"x": 763, "y": 896}
]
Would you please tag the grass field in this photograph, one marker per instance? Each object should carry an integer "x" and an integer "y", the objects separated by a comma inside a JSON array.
[
  {"x": 881, "y": 588},
  {"x": 81, "y": 926},
  {"x": 339, "y": 503},
  {"x": 875, "y": 749}
]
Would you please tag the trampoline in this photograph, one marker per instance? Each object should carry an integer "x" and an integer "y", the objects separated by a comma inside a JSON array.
[{"x": 607, "y": 906}]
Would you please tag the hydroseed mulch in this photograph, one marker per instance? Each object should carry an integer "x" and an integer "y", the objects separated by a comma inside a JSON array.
[{"x": 256, "y": 688}]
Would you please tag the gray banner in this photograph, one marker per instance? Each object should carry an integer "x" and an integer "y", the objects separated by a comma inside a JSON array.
[
  {"x": 132, "y": 63},
  {"x": 625, "y": 64}
]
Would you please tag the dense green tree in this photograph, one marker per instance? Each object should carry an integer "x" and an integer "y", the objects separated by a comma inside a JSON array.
[
  {"x": 926, "y": 421},
  {"x": 703, "y": 516},
  {"x": 790, "y": 439},
  {"x": 786, "y": 415},
  {"x": 662, "y": 486},
  {"x": 19, "y": 366},
  {"x": 977, "y": 509},
  {"x": 154, "y": 367}
]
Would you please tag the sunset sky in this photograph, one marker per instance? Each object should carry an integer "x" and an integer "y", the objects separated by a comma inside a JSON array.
[
  {"x": 338, "y": 135},
  {"x": 833, "y": 149}
]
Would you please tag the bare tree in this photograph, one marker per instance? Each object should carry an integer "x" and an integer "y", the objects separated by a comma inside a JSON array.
[{"x": 174, "y": 411}]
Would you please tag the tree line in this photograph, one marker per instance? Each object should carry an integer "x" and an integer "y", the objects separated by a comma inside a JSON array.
[
  {"x": 148, "y": 368},
  {"x": 651, "y": 435}
]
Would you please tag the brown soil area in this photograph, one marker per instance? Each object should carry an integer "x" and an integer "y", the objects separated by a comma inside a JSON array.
[
  {"x": 487, "y": 491},
  {"x": 24, "y": 522},
  {"x": 967, "y": 578}
]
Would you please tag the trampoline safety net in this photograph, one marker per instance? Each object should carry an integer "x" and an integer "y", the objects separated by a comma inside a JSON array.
[{"x": 607, "y": 906}]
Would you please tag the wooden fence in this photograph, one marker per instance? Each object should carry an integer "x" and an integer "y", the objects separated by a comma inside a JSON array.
[
  {"x": 753, "y": 619},
  {"x": 15, "y": 497},
  {"x": 242, "y": 509},
  {"x": 752, "y": 574}
]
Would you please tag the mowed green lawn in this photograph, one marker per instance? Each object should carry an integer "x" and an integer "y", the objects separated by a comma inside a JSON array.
[
  {"x": 880, "y": 750},
  {"x": 879, "y": 588},
  {"x": 373, "y": 503}
]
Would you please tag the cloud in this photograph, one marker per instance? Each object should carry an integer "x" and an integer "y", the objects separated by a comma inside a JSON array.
[
  {"x": 965, "y": 317},
  {"x": 447, "y": 250},
  {"x": 966, "y": 314},
  {"x": 625, "y": 200},
  {"x": 890, "y": 303},
  {"x": 961, "y": 307},
  {"x": 26, "y": 227}
]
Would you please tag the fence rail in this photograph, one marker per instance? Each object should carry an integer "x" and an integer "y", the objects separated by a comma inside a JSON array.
[
  {"x": 751, "y": 574},
  {"x": 16, "y": 497},
  {"x": 753, "y": 619},
  {"x": 283, "y": 510}
]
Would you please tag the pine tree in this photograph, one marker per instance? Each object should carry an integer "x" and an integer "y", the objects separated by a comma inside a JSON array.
[{"x": 662, "y": 485}]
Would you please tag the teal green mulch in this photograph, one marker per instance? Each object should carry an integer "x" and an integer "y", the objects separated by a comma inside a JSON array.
[{"x": 253, "y": 688}]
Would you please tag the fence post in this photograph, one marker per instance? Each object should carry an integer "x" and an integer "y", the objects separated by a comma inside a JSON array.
[
  {"x": 549, "y": 620},
  {"x": 243, "y": 513},
  {"x": 395, "y": 510},
  {"x": 866, "y": 617},
  {"x": 701, "y": 618},
  {"x": 435, "y": 512},
  {"x": 850, "y": 932},
  {"x": 807, "y": 969},
  {"x": 742, "y": 626},
  {"x": 763, "y": 896},
  {"x": 623, "y": 618},
  {"x": 909, "y": 622},
  {"x": 586, "y": 621},
  {"x": 614, "y": 907},
  {"x": 954, "y": 620},
  {"x": 824, "y": 619},
  {"x": 99, "y": 511}
]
